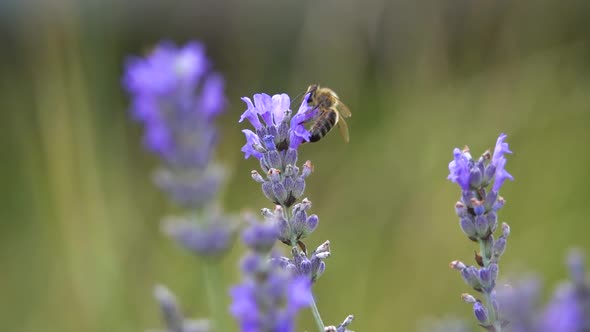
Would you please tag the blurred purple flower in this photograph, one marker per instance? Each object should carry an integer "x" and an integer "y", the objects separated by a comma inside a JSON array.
[
  {"x": 176, "y": 98},
  {"x": 569, "y": 309},
  {"x": 564, "y": 313},
  {"x": 210, "y": 236}
]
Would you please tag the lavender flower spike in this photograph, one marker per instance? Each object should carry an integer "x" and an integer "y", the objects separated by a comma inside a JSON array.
[
  {"x": 274, "y": 142},
  {"x": 477, "y": 212},
  {"x": 567, "y": 311},
  {"x": 569, "y": 308},
  {"x": 176, "y": 97}
]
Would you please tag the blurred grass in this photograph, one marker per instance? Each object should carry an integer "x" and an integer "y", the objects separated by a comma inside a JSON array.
[{"x": 79, "y": 238}]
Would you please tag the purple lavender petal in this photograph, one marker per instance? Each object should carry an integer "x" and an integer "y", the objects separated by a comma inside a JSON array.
[
  {"x": 459, "y": 171},
  {"x": 251, "y": 114},
  {"x": 264, "y": 105},
  {"x": 248, "y": 149}
]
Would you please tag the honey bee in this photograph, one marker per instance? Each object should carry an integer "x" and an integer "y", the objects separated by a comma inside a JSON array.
[{"x": 331, "y": 112}]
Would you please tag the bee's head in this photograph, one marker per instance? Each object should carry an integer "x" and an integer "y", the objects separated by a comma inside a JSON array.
[{"x": 312, "y": 90}]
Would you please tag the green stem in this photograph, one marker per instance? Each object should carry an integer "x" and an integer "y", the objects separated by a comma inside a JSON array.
[
  {"x": 316, "y": 315},
  {"x": 493, "y": 315},
  {"x": 483, "y": 252},
  {"x": 215, "y": 293}
]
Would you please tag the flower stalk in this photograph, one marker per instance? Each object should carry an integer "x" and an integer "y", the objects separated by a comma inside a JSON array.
[
  {"x": 480, "y": 182},
  {"x": 278, "y": 133}
]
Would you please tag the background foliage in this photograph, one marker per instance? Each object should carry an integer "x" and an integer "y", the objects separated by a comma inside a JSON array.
[{"x": 80, "y": 243}]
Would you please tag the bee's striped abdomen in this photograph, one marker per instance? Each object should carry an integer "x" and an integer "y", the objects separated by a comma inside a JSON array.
[{"x": 325, "y": 122}]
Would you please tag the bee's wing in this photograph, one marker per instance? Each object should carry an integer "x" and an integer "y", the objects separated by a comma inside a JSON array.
[
  {"x": 343, "y": 109},
  {"x": 343, "y": 127}
]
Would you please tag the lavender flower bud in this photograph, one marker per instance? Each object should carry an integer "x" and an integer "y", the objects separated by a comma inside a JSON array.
[
  {"x": 505, "y": 229},
  {"x": 478, "y": 207},
  {"x": 257, "y": 177},
  {"x": 310, "y": 225},
  {"x": 460, "y": 209},
  {"x": 263, "y": 164},
  {"x": 480, "y": 164},
  {"x": 305, "y": 267},
  {"x": 475, "y": 178},
  {"x": 269, "y": 143},
  {"x": 491, "y": 199},
  {"x": 481, "y": 313},
  {"x": 307, "y": 169},
  {"x": 299, "y": 219},
  {"x": 499, "y": 247},
  {"x": 290, "y": 170},
  {"x": 298, "y": 187},
  {"x": 471, "y": 277},
  {"x": 320, "y": 270},
  {"x": 481, "y": 225},
  {"x": 288, "y": 183},
  {"x": 487, "y": 277},
  {"x": 499, "y": 203},
  {"x": 494, "y": 270},
  {"x": 283, "y": 131},
  {"x": 468, "y": 227},
  {"x": 347, "y": 321},
  {"x": 323, "y": 248},
  {"x": 278, "y": 188},
  {"x": 267, "y": 190},
  {"x": 466, "y": 197},
  {"x": 489, "y": 173},
  {"x": 468, "y": 298},
  {"x": 284, "y": 231},
  {"x": 290, "y": 157},
  {"x": 492, "y": 220},
  {"x": 342, "y": 327},
  {"x": 273, "y": 160},
  {"x": 457, "y": 265}
]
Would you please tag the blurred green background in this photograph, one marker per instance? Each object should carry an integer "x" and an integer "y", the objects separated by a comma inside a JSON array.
[{"x": 80, "y": 243}]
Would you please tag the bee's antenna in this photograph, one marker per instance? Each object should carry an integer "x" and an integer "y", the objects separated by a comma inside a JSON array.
[{"x": 299, "y": 96}]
